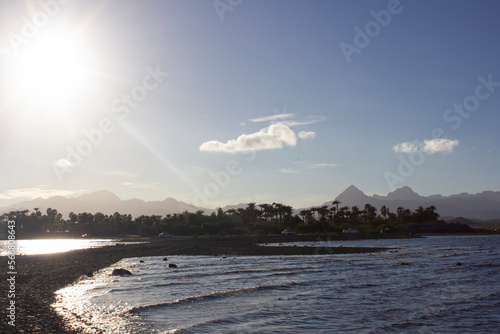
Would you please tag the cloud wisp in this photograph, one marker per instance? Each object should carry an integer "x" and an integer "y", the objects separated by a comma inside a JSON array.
[
  {"x": 430, "y": 146},
  {"x": 274, "y": 136},
  {"x": 308, "y": 120},
  {"x": 307, "y": 134},
  {"x": 37, "y": 192},
  {"x": 289, "y": 119},
  {"x": 273, "y": 118},
  {"x": 302, "y": 166}
]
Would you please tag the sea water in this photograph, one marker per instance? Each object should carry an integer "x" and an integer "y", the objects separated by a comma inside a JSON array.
[{"x": 439, "y": 284}]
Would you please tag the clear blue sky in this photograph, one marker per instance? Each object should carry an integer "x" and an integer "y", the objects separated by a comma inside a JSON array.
[{"x": 264, "y": 101}]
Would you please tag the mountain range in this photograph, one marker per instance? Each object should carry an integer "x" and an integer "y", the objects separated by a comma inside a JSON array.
[
  {"x": 105, "y": 202},
  {"x": 484, "y": 205}
]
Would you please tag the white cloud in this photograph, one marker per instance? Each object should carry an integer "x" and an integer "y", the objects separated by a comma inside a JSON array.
[
  {"x": 428, "y": 146},
  {"x": 32, "y": 193},
  {"x": 272, "y": 117},
  {"x": 407, "y": 147},
  {"x": 307, "y": 134},
  {"x": 272, "y": 137},
  {"x": 440, "y": 145},
  {"x": 301, "y": 166}
]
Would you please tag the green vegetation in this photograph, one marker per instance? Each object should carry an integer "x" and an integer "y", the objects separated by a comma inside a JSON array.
[{"x": 254, "y": 219}]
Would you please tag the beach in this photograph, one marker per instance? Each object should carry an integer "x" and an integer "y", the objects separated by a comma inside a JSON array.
[{"x": 39, "y": 276}]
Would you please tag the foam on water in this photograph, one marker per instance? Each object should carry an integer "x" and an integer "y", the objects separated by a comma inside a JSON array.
[{"x": 418, "y": 288}]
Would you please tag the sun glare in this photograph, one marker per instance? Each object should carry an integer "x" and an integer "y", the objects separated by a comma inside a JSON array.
[{"x": 51, "y": 69}]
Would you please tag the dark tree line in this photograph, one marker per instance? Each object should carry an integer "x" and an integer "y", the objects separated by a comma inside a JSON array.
[{"x": 254, "y": 219}]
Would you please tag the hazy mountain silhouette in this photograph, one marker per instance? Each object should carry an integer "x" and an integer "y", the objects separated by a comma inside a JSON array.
[
  {"x": 105, "y": 202},
  {"x": 484, "y": 205}
]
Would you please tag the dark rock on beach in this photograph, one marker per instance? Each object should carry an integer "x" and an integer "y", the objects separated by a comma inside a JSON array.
[{"x": 121, "y": 272}]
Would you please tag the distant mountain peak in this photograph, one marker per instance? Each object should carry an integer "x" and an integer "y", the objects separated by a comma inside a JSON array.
[
  {"x": 352, "y": 195},
  {"x": 101, "y": 196},
  {"x": 404, "y": 193},
  {"x": 352, "y": 190},
  {"x": 103, "y": 193}
]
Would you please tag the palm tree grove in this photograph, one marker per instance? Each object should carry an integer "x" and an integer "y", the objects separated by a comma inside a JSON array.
[{"x": 256, "y": 219}]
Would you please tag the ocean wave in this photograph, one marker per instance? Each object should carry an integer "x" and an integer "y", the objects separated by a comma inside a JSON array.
[
  {"x": 267, "y": 270},
  {"x": 207, "y": 297},
  {"x": 162, "y": 285}
]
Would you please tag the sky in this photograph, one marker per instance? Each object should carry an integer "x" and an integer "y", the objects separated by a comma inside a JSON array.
[{"x": 236, "y": 101}]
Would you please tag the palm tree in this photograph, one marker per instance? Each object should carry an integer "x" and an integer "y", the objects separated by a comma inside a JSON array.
[
  {"x": 370, "y": 211},
  {"x": 231, "y": 211},
  {"x": 419, "y": 215},
  {"x": 287, "y": 210},
  {"x": 303, "y": 213},
  {"x": 278, "y": 211},
  {"x": 220, "y": 212},
  {"x": 431, "y": 214},
  {"x": 267, "y": 210},
  {"x": 400, "y": 211},
  {"x": 343, "y": 212},
  {"x": 322, "y": 211},
  {"x": 251, "y": 211},
  {"x": 355, "y": 212},
  {"x": 384, "y": 211}
]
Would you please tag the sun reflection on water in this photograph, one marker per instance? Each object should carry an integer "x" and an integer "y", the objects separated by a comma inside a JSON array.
[
  {"x": 78, "y": 298},
  {"x": 47, "y": 246}
]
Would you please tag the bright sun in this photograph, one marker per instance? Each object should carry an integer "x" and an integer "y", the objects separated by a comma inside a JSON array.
[{"x": 51, "y": 69}]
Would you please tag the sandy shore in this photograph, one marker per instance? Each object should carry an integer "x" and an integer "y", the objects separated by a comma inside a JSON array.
[{"x": 39, "y": 276}]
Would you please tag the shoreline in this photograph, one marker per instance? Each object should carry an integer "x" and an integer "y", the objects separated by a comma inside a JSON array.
[{"x": 39, "y": 276}]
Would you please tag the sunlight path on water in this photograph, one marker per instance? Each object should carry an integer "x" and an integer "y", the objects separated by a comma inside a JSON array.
[{"x": 48, "y": 246}]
